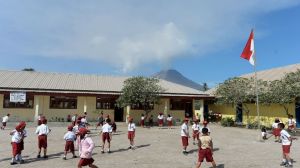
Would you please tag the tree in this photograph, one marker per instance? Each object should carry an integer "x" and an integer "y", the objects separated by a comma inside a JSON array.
[
  {"x": 283, "y": 91},
  {"x": 140, "y": 91},
  {"x": 28, "y": 69}
]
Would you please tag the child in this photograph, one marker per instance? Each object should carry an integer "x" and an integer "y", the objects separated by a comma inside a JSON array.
[
  {"x": 151, "y": 121},
  {"x": 74, "y": 119},
  {"x": 86, "y": 147},
  {"x": 100, "y": 120},
  {"x": 169, "y": 119},
  {"x": 131, "y": 132},
  {"x": 276, "y": 130},
  {"x": 291, "y": 123},
  {"x": 70, "y": 138},
  {"x": 286, "y": 146},
  {"x": 17, "y": 142},
  {"x": 160, "y": 119},
  {"x": 185, "y": 135},
  {"x": 106, "y": 135},
  {"x": 196, "y": 131},
  {"x": 264, "y": 133},
  {"x": 205, "y": 123},
  {"x": 205, "y": 149},
  {"x": 4, "y": 121},
  {"x": 142, "y": 123},
  {"x": 42, "y": 131}
]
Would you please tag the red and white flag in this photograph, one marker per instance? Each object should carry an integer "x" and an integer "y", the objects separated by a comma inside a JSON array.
[{"x": 248, "y": 52}]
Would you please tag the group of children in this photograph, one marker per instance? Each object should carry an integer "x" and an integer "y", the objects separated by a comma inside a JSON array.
[{"x": 160, "y": 120}]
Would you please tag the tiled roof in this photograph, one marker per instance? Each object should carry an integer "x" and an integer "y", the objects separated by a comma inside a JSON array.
[{"x": 79, "y": 83}]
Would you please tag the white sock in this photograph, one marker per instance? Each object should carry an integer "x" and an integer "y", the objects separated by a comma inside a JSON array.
[
  {"x": 290, "y": 163},
  {"x": 284, "y": 160},
  {"x": 13, "y": 160},
  {"x": 17, "y": 157}
]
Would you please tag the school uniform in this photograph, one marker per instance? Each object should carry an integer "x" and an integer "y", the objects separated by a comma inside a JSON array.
[
  {"x": 196, "y": 131},
  {"x": 4, "y": 120},
  {"x": 160, "y": 119},
  {"x": 142, "y": 121},
  {"x": 70, "y": 138},
  {"x": 286, "y": 143},
  {"x": 42, "y": 131},
  {"x": 205, "y": 151},
  {"x": 170, "y": 123},
  {"x": 131, "y": 131},
  {"x": 291, "y": 124},
  {"x": 86, "y": 147},
  {"x": 207, "y": 129},
  {"x": 184, "y": 137},
  {"x": 106, "y": 132},
  {"x": 276, "y": 130}
]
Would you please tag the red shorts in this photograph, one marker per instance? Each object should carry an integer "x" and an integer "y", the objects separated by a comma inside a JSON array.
[
  {"x": 196, "y": 134},
  {"x": 142, "y": 122},
  {"x": 276, "y": 132},
  {"x": 170, "y": 123},
  {"x": 185, "y": 141},
  {"x": 69, "y": 146},
  {"x": 15, "y": 148},
  {"x": 131, "y": 135},
  {"x": 291, "y": 127},
  {"x": 105, "y": 137},
  {"x": 205, "y": 153},
  {"x": 42, "y": 141},
  {"x": 160, "y": 122},
  {"x": 286, "y": 149},
  {"x": 4, "y": 124},
  {"x": 85, "y": 161}
]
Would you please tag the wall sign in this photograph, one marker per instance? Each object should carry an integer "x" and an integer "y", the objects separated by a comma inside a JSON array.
[{"x": 17, "y": 97}]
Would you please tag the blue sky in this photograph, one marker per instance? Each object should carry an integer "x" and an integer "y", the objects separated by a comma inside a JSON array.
[{"x": 202, "y": 40}]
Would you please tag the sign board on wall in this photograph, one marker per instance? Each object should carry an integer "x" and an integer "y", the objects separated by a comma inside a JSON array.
[{"x": 17, "y": 97}]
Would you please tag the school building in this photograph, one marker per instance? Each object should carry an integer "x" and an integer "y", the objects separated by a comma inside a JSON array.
[
  {"x": 57, "y": 95},
  {"x": 268, "y": 113}
]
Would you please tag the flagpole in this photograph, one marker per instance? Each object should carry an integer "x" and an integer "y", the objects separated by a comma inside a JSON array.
[{"x": 256, "y": 91}]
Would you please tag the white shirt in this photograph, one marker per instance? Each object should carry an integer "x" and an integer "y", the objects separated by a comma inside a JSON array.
[
  {"x": 207, "y": 129},
  {"x": 143, "y": 118},
  {"x": 284, "y": 136},
  {"x": 5, "y": 119},
  {"x": 131, "y": 127},
  {"x": 17, "y": 136},
  {"x": 42, "y": 130},
  {"x": 75, "y": 129},
  {"x": 196, "y": 127},
  {"x": 74, "y": 118},
  {"x": 70, "y": 136},
  {"x": 169, "y": 118},
  {"x": 291, "y": 122},
  {"x": 184, "y": 127},
  {"x": 275, "y": 125},
  {"x": 263, "y": 134},
  {"x": 160, "y": 117},
  {"x": 106, "y": 128},
  {"x": 83, "y": 120}
]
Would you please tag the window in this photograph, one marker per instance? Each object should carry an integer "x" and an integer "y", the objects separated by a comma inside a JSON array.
[
  {"x": 177, "y": 104},
  {"x": 105, "y": 103},
  {"x": 28, "y": 104},
  {"x": 141, "y": 107},
  {"x": 63, "y": 102}
]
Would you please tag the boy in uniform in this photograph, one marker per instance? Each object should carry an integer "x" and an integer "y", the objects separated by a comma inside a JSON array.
[
  {"x": 4, "y": 121},
  {"x": 131, "y": 133},
  {"x": 106, "y": 135},
  {"x": 70, "y": 138},
  {"x": 42, "y": 131},
  {"x": 205, "y": 149},
  {"x": 185, "y": 135},
  {"x": 17, "y": 142},
  {"x": 286, "y": 140}
]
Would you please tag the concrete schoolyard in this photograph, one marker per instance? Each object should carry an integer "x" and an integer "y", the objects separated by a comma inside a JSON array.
[{"x": 156, "y": 147}]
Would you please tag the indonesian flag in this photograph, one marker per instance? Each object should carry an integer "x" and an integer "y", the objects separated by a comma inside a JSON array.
[{"x": 248, "y": 52}]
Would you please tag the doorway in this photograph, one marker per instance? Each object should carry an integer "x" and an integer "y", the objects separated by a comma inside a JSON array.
[
  {"x": 188, "y": 109},
  {"x": 239, "y": 113},
  {"x": 119, "y": 114}
]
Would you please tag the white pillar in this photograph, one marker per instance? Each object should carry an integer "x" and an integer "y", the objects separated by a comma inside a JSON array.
[
  {"x": 127, "y": 113},
  {"x": 37, "y": 105},
  {"x": 84, "y": 105}
]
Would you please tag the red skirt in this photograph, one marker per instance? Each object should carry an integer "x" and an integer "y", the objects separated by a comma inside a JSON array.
[
  {"x": 276, "y": 132},
  {"x": 131, "y": 135},
  {"x": 142, "y": 122},
  {"x": 42, "y": 141},
  {"x": 170, "y": 123},
  {"x": 160, "y": 122},
  {"x": 69, "y": 146},
  {"x": 85, "y": 161}
]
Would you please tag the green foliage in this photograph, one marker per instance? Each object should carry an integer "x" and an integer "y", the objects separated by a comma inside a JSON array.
[
  {"x": 28, "y": 69},
  {"x": 227, "y": 122},
  {"x": 140, "y": 91}
]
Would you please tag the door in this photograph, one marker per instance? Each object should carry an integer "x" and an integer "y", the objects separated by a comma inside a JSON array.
[
  {"x": 119, "y": 114},
  {"x": 297, "y": 104},
  {"x": 239, "y": 113},
  {"x": 188, "y": 109},
  {"x": 205, "y": 112}
]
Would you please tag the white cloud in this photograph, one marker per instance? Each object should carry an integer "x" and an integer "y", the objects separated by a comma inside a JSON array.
[{"x": 128, "y": 34}]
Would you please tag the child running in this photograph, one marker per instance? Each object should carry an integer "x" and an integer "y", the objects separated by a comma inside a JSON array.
[
  {"x": 286, "y": 140},
  {"x": 106, "y": 135},
  {"x": 17, "y": 142},
  {"x": 42, "y": 131},
  {"x": 131, "y": 133},
  {"x": 86, "y": 147},
  {"x": 205, "y": 149},
  {"x": 4, "y": 121},
  {"x": 196, "y": 131},
  {"x": 70, "y": 138}
]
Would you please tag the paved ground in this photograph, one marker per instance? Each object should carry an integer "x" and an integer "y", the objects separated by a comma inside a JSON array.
[{"x": 160, "y": 148}]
